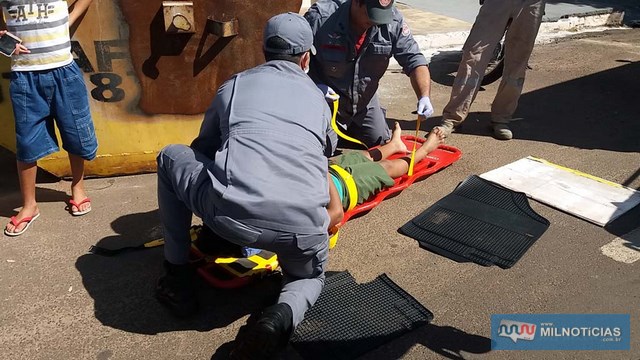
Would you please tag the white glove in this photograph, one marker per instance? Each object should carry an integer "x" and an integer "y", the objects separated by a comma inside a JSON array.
[
  {"x": 424, "y": 107},
  {"x": 329, "y": 94}
]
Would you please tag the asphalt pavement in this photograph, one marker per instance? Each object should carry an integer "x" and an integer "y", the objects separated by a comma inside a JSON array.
[{"x": 579, "y": 109}]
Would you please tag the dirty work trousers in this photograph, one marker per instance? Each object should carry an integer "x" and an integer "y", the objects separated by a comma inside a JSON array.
[
  {"x": 184, "y": 189},
  {"x": 477, "y": 52},
  {"x": 368, "y": 125}
]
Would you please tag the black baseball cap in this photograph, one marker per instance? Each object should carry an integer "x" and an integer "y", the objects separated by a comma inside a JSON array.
[{"x": 380, "y": 11}]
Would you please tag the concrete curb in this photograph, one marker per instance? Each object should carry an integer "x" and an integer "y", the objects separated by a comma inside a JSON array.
[
  {"x": 570, "y": 25},
  {"x": 550, "y": 30}
]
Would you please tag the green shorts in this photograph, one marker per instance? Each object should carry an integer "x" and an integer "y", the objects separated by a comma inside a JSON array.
[{"x": 369, "y": 176}]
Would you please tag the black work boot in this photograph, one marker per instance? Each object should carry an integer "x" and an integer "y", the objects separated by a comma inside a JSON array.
[
  {"x": 268, "y": 336},
  {"x": 176, "y": 289}
]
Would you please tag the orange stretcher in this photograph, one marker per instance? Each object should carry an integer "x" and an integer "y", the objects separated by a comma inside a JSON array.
[
  {"x": 438, "y": 159},
  {"x": 223, "y": 271},
  {"x": 237, "y": 272}
]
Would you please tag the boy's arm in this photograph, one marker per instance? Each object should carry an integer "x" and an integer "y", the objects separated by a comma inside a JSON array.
[
  {"x": 3, "y": 25},
  {"x": 335, "y": 210},
  {"x": 79, "y": 8}
]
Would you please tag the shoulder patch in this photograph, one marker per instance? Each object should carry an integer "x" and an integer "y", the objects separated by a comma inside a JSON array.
[{"x": 405, "y": 29}]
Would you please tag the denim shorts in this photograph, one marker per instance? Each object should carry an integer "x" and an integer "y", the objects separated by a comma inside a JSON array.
[{"x": 39, "y": 98}]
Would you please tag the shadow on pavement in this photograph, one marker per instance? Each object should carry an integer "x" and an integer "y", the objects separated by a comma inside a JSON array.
[
  {"x": 632, "y": 178},
  {"x": 223, "y": 352},
  {"x": 446, "y": 341},
  {"x": 625, "y": 223},
  {"x": 10, "y": 198},
  {"x": 598, "y": 111},
  {"x": 122, "y": 286}
]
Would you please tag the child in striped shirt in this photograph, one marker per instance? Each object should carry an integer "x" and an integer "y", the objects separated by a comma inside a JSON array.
[{"x": 47, "y": 86}]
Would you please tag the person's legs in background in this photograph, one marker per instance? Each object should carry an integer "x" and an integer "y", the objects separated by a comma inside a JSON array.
[
  {"x": 519, "y": 45},
  {"x": 485, "y": 34}
]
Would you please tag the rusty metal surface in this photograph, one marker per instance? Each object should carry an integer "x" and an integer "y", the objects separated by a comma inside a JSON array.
[
  {"x": 179, "y": 73},
  {"x": 136, "y": 115}
]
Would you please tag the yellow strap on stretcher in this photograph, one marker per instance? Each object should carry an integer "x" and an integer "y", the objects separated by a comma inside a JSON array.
[
  {"x": 336, "y": 128},
  {"x": 351, "y": 185},
  {"x": 333, "y": 239},
  {"x": 258, "y": 262},
  {"x": 413, "y": 152}
]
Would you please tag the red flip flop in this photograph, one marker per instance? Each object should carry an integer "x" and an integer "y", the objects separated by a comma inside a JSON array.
[
  {"x": 15, "y": 222},
  {"x": 77, "y": 205}
]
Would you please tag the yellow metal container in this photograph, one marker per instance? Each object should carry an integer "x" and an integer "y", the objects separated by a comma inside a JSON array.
[{"x": 151, "y": 69}]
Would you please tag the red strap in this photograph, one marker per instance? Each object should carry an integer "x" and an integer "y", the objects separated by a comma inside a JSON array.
[
  {"x": 15, "y": 221},
  {"x": 360, "y": 41},
  {"x": 86, "y": 200}
]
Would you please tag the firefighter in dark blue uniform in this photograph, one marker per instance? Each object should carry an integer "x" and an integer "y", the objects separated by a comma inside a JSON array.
[{"x": 355, "y": 40}]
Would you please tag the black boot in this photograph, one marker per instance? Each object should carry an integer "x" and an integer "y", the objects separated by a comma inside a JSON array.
[
  {"x": 176, "y": 289},
  {"x": 211, "y": 243},
  {"x": 268, "y": 336}
]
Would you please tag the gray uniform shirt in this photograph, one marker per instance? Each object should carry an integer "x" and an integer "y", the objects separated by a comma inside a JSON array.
[
  {"x": 356, "y": 77},
  {"x": 267, "y": 132}
]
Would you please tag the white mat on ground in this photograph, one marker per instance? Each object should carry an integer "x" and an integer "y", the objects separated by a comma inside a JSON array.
[{"x": 583, "y": 195}]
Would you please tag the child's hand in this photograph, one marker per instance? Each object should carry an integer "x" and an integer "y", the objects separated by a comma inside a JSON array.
[{"x": 21, "y": 49}]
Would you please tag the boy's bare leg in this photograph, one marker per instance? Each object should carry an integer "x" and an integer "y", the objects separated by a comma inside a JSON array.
[
  {"x": 398, "y": 167},
  {"x": 394, "y": 145},
  {"x": 27, "y": 176},
  {"x": 77, "y": 184}
]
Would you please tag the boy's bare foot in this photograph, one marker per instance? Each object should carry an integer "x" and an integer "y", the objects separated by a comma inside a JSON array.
[
  {"x": 25, "y": 212},
  {"x": 79, "y": 196},
  {"x": 435, "y": 137},
  {"x": 396, "y": 142},
  {"x": 441, "y": 134}
]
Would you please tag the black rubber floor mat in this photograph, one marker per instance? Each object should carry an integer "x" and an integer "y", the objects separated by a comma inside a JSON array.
[
  {"x": 481, "y": 222},
  {"x": 351, "y": 319}
]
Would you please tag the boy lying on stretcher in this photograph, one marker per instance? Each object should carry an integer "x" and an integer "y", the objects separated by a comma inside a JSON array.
[{"x": 372, "y": 171}]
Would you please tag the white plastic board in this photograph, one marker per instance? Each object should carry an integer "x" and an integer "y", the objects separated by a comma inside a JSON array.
[{"x": 583, "y": 195}]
